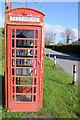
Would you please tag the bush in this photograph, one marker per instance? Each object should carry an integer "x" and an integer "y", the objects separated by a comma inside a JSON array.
[{"x": 71, "y": 49}]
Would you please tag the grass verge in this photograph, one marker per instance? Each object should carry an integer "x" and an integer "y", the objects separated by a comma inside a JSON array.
[{"x": 60, "y": 96}]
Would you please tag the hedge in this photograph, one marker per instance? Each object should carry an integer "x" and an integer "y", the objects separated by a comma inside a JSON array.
[{"x": 71, "y": 49}]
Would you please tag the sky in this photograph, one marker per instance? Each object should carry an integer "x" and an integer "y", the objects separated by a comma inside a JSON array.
[{"x": 58, "y": 15}]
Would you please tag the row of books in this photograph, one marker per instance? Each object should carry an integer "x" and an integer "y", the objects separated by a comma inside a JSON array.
[
  {"x": 24, "y": 52},
  {"x": 24, "y": 71},
  {"x": 25, "y": 62}
]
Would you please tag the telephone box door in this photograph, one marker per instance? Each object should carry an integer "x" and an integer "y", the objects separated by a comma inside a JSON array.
[{"x": 23, "y": 67}]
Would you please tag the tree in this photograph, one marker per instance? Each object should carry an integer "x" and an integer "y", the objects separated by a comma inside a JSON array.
[
  {"x": 50, "y": 37},
  {"x": 68, "y": 36},
  {"x": 60, "y": 43}
]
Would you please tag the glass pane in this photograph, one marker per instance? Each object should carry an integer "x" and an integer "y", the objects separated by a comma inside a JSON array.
[
  {"x": 12, "y": 71},
  {"x": 35, "y": 63},
  {"x": 35, "y": 72},
  {"x": 34, "y": 89},
  {"x": 23, "y": 89},
  {"x": 24, "y": 71},
  {"x": 34, "y": 99},
  {"x": 12, "y": 33},
  {"x": 24, "y": 43},
  {"x": 12, "y": 53},
  {"x": 35, "y": 43},
  {"x": 20, "y": 52},
  {"x": 35, "y": 52},
  {"x": 24, "y": 33},
  {"x": 13, "y": 62},
  {"x": 12, "y": 80},
  {"x": 35, "y": 56},
  {"x": 25, "y": 53},
  {"x": 24, "y": 62},
  {"x": 12, "y": 43},
  {"x": 34, "y": 81},
  {"x": 13, "y": 98},
  {"x": 36, "y": 33},
  {"x": 24, "y": 98},
  {"x": 23, "y": 81}
]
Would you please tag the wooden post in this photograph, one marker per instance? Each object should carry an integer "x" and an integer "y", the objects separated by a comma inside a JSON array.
[{"x": 7, "y": 5}]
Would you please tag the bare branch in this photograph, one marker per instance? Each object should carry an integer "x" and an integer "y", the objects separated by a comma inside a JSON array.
[
  {"x": 50, "y": 37},
  {"x": 68, "y": 35}
]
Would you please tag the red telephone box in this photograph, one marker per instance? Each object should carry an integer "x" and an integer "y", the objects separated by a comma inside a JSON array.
[{"x": 24, "y": 59}]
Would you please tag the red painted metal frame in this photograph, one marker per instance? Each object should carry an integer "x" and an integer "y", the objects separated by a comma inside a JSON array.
[
  {"x": 9, "y": 25},
  {"x": 42, "y": 65},
  {"x": 22, "y": 106},
  {"x": 6, "y": 96}
]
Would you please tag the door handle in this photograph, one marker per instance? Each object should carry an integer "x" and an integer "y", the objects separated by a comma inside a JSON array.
[{"x": 38, "y": 63}]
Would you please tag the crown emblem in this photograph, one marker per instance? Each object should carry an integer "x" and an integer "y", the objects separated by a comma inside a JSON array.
[{"x": 24, "y": 13}]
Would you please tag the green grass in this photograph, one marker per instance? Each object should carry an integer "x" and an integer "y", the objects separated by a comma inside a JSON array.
[
  {"x": 2, "y": 56},
  {"x": 60, "y": 96}
]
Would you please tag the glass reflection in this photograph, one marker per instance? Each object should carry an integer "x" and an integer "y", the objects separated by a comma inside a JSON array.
[
  {"x": 24, "y": 71},
  {"x": 36, "y": 34},
  {"x": 24, "y": 43},
  {"x": 24, "y": 33},
  {"x": 24, "y": 62},
  {"x": 12, "y": 33}
]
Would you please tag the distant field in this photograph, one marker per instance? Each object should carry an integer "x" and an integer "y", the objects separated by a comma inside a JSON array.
[{"x": 60, "y": 96}]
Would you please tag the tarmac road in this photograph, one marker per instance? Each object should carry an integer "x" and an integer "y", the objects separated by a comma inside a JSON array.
[{"x": 65, "y": 61}]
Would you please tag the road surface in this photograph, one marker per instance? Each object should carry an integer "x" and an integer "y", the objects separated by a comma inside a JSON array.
[{"x": 65, "y": 61}]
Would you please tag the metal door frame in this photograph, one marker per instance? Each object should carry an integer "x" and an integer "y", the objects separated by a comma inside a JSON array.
[{"x": 22, "y": 106}]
